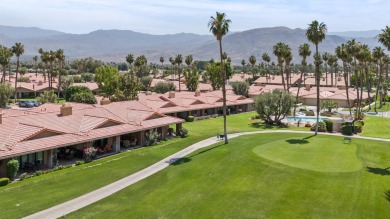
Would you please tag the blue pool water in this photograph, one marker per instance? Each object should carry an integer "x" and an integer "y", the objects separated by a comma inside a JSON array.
[{"x": 304, "y": 119}]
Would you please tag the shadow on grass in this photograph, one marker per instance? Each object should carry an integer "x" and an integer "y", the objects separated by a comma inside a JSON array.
[
  {"x": 297, "y": 141},
  {"x": 387, "y": 195},
  {"x": 267, "y": 126},
  {"x": 183, "y": 160},
  {"x": 379, "y": 171},
  {"x": 308, "y": 137}
]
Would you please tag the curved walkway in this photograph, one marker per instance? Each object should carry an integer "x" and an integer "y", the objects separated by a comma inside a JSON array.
[{"x": 89, "y": 198}]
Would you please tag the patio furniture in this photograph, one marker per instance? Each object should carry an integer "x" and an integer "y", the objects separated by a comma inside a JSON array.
[
  {"x": 126, "y": 143},
  {"x": 347, "y": 140}
]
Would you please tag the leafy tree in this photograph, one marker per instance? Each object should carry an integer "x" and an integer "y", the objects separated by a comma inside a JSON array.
[
  {"x": 188, "y": 60},
  {"x": 329, "y": 105},
  {"x": 107, "y": 78},
  {"x": 146, "y": 82},
  {"x": 192, "y": 79},
  {"x": 274, "y": 106},
  {"x": 127, "y": 88},
  {"x": 87, "y": 77},
  {"x": 252, "y": 60},
  {"x": 23, "y": 70},
  {"x": 77, "y": 79},
  {"x": 83, "y": 97},
  {"x": 219, "y": 26},
  {"x": 12, "y": 168},
  {"x": 163, "y": 87},
  {"x": 18, "y": 50},
  {"x": 240, "y": 88},
  {"x": 6, "y": 91},
  {"x": 73, "y": 90},
  {"x": 342, "y": 54},
  {"x": 213, "y": 73},
  {"x": 315, "y": 33},
  {"x": 48, "y": 97}
]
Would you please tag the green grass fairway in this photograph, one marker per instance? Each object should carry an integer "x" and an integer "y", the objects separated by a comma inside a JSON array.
[
  {"x": 236, "y": 181},
  {"x": 318, "y": 155},
  {"x": 376, "y": 126}
]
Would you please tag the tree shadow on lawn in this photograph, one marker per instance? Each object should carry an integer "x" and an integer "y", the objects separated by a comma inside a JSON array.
[
  {"x": 297, "y": 141},
  {"x": 266, "y": 126},
  {"x": 379, "y": 171},
  {"x": 183, "y": 160},
  {"x": 387, "y": 195}
]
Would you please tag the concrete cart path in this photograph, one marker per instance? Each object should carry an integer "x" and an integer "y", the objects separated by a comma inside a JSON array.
[{"x": 94, "y": 196}]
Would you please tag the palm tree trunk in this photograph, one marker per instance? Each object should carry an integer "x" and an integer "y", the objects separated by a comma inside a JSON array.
[
  {"x": 3, "y": 78},
  {"x": 326, "y": 74},
  {"x": 299, "y": 87},
  {"x": 178, "y": 72},
  {"x": 16, "y": 77},
  {"x": 281, "y": 72},
  {"x": 223, "y": 92},
  {"x": 318, "y": 89},
  {"x": 346, "y": 87}
]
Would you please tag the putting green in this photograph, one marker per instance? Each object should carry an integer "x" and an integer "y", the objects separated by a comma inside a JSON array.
[{"x": 330, "y": 155}]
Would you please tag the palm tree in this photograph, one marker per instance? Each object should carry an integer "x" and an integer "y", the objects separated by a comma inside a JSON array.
[
  {"x": 280, "y": 51},
  {"x": 61, "y": 59},
  {"x": 325, "y": 57},
  {"x": 342, "y": 54},
  {"x": 219, "y": 26},
  {"x": 130, "y": 59},
  {"x": 315, "y": 33},
  {"x": 224, "y": 55},
  {"x": 384, "y": 37},
  {"x": 178, "y": 61},
  {"x": 52, "y": 59},
  {"x": 266, "y": 58},
  {"x": 188, "y": 60},
  {"x": 18, "y": 50},
  {"x": 162, "y": 61},
  {"x": 378, "y": 55},
  {"x": 243, "y": 63},
  {"x": 252, "y": 60},
  {"x": 332, "y": 60},
  {"x": 5, "y": 58},
  {"x": 304, "y": 52},
  {"x": 45, "y": 61},
  {"x": 363, "y": 56},
  {"x": 353, "y": 49},
  {"x": 288, "y": 58},
  {"x": 35, "y": 59}
]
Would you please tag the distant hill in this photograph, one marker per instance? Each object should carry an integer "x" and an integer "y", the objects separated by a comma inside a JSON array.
[
  {"x": 114, "y": 45},
  {"x": 26, "y": 32},
  {"x": 358, "y": 34}
]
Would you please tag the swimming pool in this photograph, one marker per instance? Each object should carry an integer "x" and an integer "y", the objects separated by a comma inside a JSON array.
[{"x": 304, "y": 119}]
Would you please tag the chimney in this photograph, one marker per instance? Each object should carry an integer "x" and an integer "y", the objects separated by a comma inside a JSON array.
[
  {"x": 171, "y": 94},
  {"x": 105, "y": 101},
  {"x": 148, "y": 93},
  {"x": 40, "y": 82},
  {"x": 308, "y": 87},
  {"x": 66, "y": 109},
  {"x": 197, "y": 93}
]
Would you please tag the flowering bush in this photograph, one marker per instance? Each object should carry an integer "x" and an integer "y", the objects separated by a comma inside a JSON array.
[{"x": 89, "y": 154}]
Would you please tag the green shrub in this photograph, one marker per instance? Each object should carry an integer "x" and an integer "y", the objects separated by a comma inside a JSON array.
[
  {"x": 12, "y": 168},
  {"x": 152, "y": 138},
  {"x": 87, "y": 77},
  {"x": 329, "y": 125},
  {"x": 83, "y": 97},
  {"x": 321, "y": 127},
  {"x": 77, "y": 79},
  {"x": 79, "y": 162},
  {"x": 190, "y": 118},
  {"x": 309, "y": 113},
  {"x": 183, "y": 132},
  {"x": 346, "y": 129},
  {"x": 38, "y": 173},
  {"x": 163, "y": 87},
  {"x": 74, "y": 90},
  {"x": 23, "y": 79},
  {"x": 4, "y": 181}
]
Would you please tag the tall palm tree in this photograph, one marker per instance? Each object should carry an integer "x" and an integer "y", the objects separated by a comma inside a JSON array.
[
  {"x": 5, "y": 59},
  {"x": 219, "y": 26},
  {"x": 188, "y": 60},
  {"x": 243, "y": 63},
  {"x": 315, "y": 33},
  {"x": 61, "y": 64},
  {"x": 325, "y": 57},
  {"x": 341, "y": 52},
  {"x": 45, "y": 61},
  {"x": 178, "y": 61},
  {"x": 52, "y": 60},
  {"x": 280, "y": 51},
  {"x": 378, "y": 55},
  {"x": 304, "y": 52},
  {"x": 384, "y": 37},
  {"x": 252, "y": 60},
  {"x": 35, "y": 59},
  {"x": 18, "y": 50},
  {"x": 224, "y": 55},
  {"x": 332, "y": 59},
  {"x": 130, "y": 59},
  {"x": 363, "y": 56},
  {"x": 266, "y": 58},
  {"x": 353, "y": 49},
  {"x": 162, "y": 61},
  {"x": 288, "y": 58}
]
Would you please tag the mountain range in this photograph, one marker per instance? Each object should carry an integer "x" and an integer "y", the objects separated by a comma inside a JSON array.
[{"x": 114, "y": 45}]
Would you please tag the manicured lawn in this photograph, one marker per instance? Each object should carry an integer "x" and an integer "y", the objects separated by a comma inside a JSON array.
[
  {"x": 385, "y": 107},
  {"x": 254, "y": 176},
  {"x": 38, "y": 193},
  {"x": 376, "y": 126}
]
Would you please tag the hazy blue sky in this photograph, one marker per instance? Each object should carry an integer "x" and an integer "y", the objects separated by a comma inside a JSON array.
[{"x": 174, "y": 16}]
